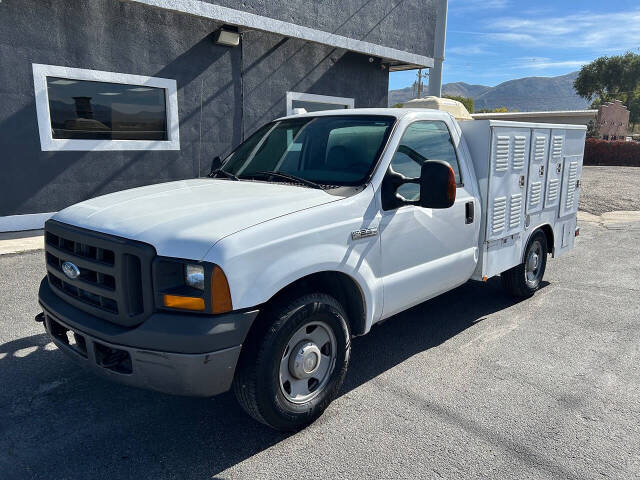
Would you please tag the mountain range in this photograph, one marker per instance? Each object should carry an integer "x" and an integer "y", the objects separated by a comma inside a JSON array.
[{"x": 524, "y": 94}]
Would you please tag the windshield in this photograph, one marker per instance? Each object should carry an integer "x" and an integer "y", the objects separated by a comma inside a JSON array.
[{"x": 339, "y": 150}]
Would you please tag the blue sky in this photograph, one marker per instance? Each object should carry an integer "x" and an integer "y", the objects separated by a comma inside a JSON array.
[{"x": 492, "y": 41}]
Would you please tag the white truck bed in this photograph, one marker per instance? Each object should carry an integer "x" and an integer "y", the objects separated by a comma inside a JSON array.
[{"x": 528, "y": 175}]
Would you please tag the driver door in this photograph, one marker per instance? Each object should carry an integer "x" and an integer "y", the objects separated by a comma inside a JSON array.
[{"x": 425, "y": 251}]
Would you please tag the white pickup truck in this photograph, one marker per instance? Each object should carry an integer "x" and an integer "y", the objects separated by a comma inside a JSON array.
[{"x": 314, "y": 229}]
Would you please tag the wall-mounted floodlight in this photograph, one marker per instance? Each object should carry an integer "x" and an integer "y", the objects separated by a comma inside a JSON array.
[{"x": 226, "y": 36}]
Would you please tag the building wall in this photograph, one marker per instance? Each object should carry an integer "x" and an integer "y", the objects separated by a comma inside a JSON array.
[
  {"x": 613, "y": 120},
  {"x": 223, "y": 93},
  {"x": 273, "y": 65},
  {"x": 383, "y": 22}
]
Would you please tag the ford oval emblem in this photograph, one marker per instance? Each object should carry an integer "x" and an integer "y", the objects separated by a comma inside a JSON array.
[{"x": 70, "y": 270}]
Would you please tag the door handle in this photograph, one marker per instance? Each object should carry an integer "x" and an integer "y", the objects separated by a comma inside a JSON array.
[{"x": 469, "y": 212}]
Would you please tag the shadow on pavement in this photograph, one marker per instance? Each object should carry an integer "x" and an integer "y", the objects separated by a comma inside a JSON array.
[{"x": 59, "y": 422}]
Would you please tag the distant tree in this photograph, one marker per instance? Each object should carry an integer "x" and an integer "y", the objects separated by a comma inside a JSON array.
[
  {"x": 612, "y": 78},
  {"x": 592, "y": 129},
  {"x": 493, "y": 110},
  {"x": 634, "y": 111},
  {"x": 467, "y": 102},
  {"x": 398, "y": 105}
]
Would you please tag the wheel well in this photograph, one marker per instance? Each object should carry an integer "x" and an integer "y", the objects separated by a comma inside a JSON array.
[
  {"x": 548, "y": 232},
  {"x": 340, "y": 286}
]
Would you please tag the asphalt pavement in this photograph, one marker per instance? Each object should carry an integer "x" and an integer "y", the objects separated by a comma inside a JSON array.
[{"x": 468, "y": 385}]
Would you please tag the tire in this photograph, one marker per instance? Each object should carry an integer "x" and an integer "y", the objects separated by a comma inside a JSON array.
[
  {"x": 524, "y": 280},
  {"x": 299, "y": 336}
]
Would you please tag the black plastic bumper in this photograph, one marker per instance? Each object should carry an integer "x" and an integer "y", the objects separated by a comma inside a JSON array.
[{"x": 183, "y": 354}]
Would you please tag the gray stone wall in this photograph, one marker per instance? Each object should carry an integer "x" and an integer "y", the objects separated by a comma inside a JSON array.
[
  {"x": 273, "y": 65},
  {"x": 383, "y": 22}
]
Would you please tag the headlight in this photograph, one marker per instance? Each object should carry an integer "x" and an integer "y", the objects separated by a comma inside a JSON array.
[
  {"x": 198, "y": 287},
  {"x": 194, "y": 276}
]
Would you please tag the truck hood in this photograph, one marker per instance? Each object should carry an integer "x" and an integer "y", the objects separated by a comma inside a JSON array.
[{"x": 186, "y": 218}]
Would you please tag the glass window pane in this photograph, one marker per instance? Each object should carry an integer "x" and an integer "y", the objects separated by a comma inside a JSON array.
[
  {"x": 89, "y": 110},
  {"x": 421, "y": 141}
]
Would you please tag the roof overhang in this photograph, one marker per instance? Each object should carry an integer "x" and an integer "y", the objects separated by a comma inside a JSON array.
[{"x": 396, "y": 59}]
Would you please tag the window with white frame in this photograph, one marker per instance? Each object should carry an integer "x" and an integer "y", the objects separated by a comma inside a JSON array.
[
  {"x": 314, "y": 103},
  {"x": 80, "y": 109}
]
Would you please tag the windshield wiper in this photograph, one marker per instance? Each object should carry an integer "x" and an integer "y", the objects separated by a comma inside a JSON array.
[
  {"x": 225, "y": 173},
  {"x": 288, "y": 176}
]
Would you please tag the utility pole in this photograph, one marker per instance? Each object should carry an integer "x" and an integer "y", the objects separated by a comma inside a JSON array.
[
  {"x": 419, "y": 85},
  {"x": 435, "y": 76}
]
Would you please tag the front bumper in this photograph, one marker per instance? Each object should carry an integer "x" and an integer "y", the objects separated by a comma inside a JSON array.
[{"x": 180, "y": 354}]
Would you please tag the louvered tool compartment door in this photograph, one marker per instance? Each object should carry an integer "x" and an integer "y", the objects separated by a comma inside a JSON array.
[
  {"x": 538, "y": 170},
  {"x": 554, "y": 172},
  {"x": 570, "y": 185},
  {"x": 509, "y": 164}
]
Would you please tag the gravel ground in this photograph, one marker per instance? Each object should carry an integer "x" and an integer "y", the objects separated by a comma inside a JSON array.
[
  {"x": 608, "y": 189},
  {"x": 468, "y": 385}
]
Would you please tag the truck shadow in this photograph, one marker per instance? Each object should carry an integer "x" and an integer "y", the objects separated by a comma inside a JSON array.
[
  {"x": 50, "y": 410},
  {"x": 422, "y": 327}
]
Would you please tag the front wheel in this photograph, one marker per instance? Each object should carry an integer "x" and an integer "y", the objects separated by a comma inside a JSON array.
[
  {"x": 525, "y": 279},
  {"x": 290, "y": 373}
]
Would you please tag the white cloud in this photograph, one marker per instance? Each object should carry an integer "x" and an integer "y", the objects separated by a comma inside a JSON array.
[
  {"x": 461, "y": 6},
  {"x": 606, "y": 31},
  {"x": 475, "y": 49},
  {"x": 546, "y": 64},
  {"x": 519, "y": 38}
]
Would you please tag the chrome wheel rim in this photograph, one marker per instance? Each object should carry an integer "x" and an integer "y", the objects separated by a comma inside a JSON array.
[
  {"x": 307, "y": 362},
  {"x": 533, "y": 263}
]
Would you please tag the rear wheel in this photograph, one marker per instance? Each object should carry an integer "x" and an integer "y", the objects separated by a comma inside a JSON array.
[
  {"x": 293, "y": 369},
  {"x": 525, "y": 279}
]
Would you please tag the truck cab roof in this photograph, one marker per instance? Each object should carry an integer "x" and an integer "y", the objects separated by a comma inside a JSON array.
[
  {"x": 387, "y": 112},
  {"x": 429, "y": 114}
]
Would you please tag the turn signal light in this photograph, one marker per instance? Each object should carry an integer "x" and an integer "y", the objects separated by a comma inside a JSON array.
[
  {"x": 220, "y": 294},
  {"x": 186, "y": 303},
  {"x": 452, "y": 187}
]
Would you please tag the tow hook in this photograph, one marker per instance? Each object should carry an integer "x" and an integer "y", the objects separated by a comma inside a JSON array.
[{"x": 39, "y": 317}]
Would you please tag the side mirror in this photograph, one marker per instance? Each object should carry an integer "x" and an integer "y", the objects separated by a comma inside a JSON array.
[
  {"x": 437, "y": 185},
  {"x": 216, "y": 163}
]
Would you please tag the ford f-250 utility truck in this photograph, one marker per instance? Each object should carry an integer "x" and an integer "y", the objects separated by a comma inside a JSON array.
[{"x": 315, "y": 228}]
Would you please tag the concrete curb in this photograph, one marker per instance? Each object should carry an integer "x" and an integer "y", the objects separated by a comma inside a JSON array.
[
  {"x": 20, "y": 242},
  {"x": 612, "y": 220}
]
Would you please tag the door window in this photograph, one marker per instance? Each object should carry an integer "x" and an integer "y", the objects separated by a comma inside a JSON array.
[{"x": 422, "y": 141}]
